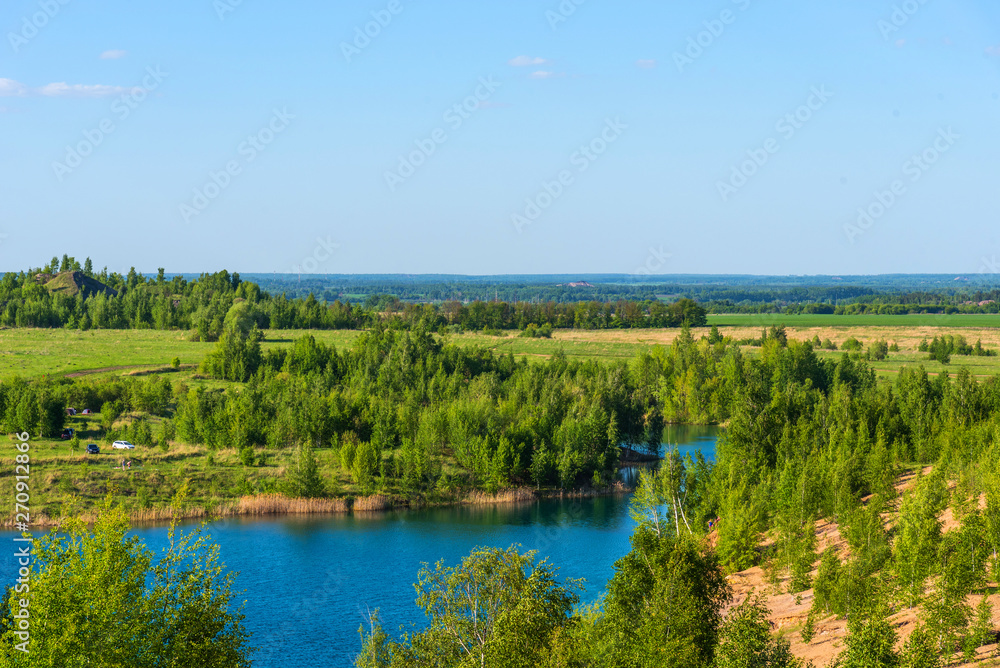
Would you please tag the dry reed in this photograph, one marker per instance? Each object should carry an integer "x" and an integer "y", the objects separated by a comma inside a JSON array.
[
  {"x": 373, "y": 503},
  {"x": 518, "y": 495}
]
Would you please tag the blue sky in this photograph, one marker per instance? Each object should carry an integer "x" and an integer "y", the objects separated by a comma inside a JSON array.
[{"x": 731, "y": 136}]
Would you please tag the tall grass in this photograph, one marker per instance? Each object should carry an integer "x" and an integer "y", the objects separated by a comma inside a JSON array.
[
  {"x": 525, "y": 494},
  {"x": 517, "y": 495},
  {"x": 263, "y": 505},
  {"x": 373, "y": 503},
  {"x": 277, "y": 504}
]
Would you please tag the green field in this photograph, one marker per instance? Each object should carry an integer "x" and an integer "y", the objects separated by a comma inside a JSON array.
[{"x": 36, "y": 352}]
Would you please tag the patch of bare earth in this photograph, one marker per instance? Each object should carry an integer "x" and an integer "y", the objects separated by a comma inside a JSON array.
[
  {"x": 908, "y": 338},
  {"x": 789, "y": 611}
]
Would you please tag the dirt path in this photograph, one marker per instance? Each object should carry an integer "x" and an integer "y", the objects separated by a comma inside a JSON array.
[
  {"x": 105, "y": 369},
  {"x": 137, "y": 369}
]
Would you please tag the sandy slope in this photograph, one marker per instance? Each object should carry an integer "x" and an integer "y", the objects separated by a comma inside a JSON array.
[{"x": 789, "y": 611}]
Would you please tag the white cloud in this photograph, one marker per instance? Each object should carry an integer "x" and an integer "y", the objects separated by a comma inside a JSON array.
[
  {"x": 113, "y": 54},
  {"x": 62, "y": 89},
  {"x": 545, "y": 74},
  {"x": 646, "y": 64},
  {"x": 526, "y": 61},
  {"x": 11, "y": 88}
]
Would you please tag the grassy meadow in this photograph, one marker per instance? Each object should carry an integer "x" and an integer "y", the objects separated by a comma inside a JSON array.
[
  {"x": 65, "y": 481},
  {"x": 36, "y": 352},
  {"x": 32, "y": 353}
]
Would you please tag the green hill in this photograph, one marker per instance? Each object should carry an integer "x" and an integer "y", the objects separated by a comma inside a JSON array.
[{"x": 72, "y": 283}]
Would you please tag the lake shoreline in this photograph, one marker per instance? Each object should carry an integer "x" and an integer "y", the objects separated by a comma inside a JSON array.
[{"x": 278, "y": 505}]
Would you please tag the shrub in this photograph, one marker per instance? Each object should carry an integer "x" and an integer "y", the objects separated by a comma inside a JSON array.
[
  {"x": 248, "y": 456},
  {"x": 746, "y": 633},
  {"x": 852, "y": 344},
  {"x": 303, "y": 478}
]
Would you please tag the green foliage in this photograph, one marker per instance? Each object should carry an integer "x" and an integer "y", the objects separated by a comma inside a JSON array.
[
  {"x": 809, "y": 628},
  {"x": 962, "y": 567},
  {"x": 879, "y": 350},
  {"x": 920, "y": 651},
  {"x": 646, "y": 507},
  {"x": 499, "y": 607},
  {"x": 745, "y": 639},
  {"x": 303, "y": 478},
  {"x": 981, "y": 631},
  {"x": 659, "y": 503},
  {"x": 533, "y": 332},
  {"x": 110, "y": 412},
  {"x": 237, "y": 355},
  {"x": 366, "y": 466},
  {"x": 826, "y": 586},
  {"x": 870, "y": 644},
  {"x": 865, "y": 532},
  {"x": 918, "y": 534},
  {"x": 100, "y": 599},
  {"x": 664, "y": 604},
  {"x": 801, "y": 557},
  {"x": 247, "y": 456},
  {"x": 852, "y": 345},
  {"x": 741, "y": 522}
]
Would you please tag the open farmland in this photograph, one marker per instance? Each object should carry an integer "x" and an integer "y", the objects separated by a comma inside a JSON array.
[{"x": 36, "y": 352}]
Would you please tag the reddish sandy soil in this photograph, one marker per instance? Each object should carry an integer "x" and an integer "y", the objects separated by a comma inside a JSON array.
[{"x": 789, "y": 611}]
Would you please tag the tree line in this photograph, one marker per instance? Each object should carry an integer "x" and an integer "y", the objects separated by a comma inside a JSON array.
[{"x": 203, "y": 305}]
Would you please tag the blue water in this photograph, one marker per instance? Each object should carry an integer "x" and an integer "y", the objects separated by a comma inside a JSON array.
[
  {"x": 309, "y": 584},
  {"x": 691, "y": 439}
]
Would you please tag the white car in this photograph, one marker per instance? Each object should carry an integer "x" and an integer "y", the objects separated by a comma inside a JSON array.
[{"x": 122, "y": 445}]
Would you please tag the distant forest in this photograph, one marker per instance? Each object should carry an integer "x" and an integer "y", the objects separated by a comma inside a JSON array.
[{"x": 66, "y": 293}]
